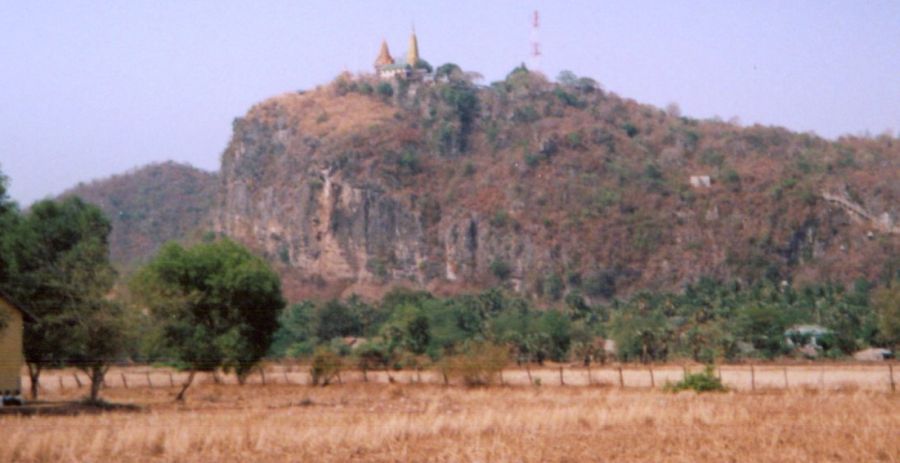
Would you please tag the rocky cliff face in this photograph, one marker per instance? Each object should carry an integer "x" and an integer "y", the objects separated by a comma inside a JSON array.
[{"x": 544, "y": 188}]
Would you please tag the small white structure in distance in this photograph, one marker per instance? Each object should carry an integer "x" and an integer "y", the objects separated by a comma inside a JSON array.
[
  {"x": 872, "y": 355},
  {"x": 700, "y": 181}
]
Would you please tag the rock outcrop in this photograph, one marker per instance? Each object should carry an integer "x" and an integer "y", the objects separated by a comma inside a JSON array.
[{"x": 543, "y": 188}]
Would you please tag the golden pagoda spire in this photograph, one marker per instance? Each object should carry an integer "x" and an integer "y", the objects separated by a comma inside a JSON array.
[
  {"x": 384, "y": 56},
  {"x": 412, "y": 55}
]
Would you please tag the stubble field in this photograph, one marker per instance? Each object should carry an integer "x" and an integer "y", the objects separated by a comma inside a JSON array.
[{"x": 427, "y": 422}]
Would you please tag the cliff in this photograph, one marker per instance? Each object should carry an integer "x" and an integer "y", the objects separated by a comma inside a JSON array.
[{"x": 545, "y": 188}]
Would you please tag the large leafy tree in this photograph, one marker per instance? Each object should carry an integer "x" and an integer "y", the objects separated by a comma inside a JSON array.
[
  {"x": 8, "y": 218},
  {"x": 61, "y": 270},
  {"x": 216, "y": 305}
]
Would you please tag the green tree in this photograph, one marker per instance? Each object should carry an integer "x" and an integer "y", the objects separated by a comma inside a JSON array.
[
  {"x": 97, "y": 338},
  {"x": 501, "y": 269},
  {"x": 295, "y": 330},
  {"x": 448, "y": 71},
  {"x": 335, "y": 320},
  {"x": 62, "y": 270},
  {"x": 886, "y": 302},
  {"x": 556, "y": 329},
  {"x": 763, "y": 324},
  {"x": 640, "y": 329},
  {"x": 408, "y": 329},
  {"x": 216, "y": 303},
  {"x": 8, "y": 221}
]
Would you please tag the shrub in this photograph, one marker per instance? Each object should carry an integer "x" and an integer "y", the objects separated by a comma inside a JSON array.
[
  {"x": 385, "y": 90},
  {"x": 705, "y": 381},
  {"x": 532, "y": 160},
  {"x": 601, "y": 283},
  {"x": 553, "y": 286},
  {"x": 567, "y": 98},
  {"x": 479, "y": 366},
  {"x": 630, "y": 129},
  {"x": 469, "y": 169},
  {"x": 525, "y": 114},
  {"x": 501, "y": 269},
  {"x": 711, "y": 157},
  {"x": 325, "y": 366},
  {"x": 500, "y": 219},
  {"x": 732, "y": 179},
  {"x": 574, "y": 140}
]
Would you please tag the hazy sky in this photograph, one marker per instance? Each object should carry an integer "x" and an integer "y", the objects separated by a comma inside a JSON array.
[{"x": 89, "y": 89}]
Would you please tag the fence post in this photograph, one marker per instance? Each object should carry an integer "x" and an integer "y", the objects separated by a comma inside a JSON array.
[
  {"x": 284, "y": 373},
  {"x": 621, "y": 378},
  {"x": 124, "y": 381},
  {"x": 786, "y": 384},
  {"x": 891, "y": 372},
  {"x": 171, "y": 380},
  {"x": 61, "y": 386},
  {"x": 528, "y": 370},
  {"x": 149, "y": 382},
  {"x": 77, "y": 380},
  {"x": 752, "y": 378},
  {"x": 561, "y": 381},
  {"x": 652, "y": 379},
  {"x": 262, "y": 374}
]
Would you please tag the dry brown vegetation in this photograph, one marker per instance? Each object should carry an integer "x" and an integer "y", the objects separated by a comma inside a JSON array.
[{"x": 402, "y": 422}]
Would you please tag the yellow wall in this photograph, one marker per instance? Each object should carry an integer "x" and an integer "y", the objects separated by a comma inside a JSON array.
[{"x": 11, "y": 357}]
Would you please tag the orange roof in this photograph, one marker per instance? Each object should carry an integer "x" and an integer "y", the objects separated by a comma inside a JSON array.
[{"x": 384, "y": 56}]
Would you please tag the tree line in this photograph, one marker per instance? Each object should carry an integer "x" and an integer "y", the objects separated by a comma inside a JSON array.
[
  {"x": 207, "y": 307},
  {"x": 708, "y": 321}
]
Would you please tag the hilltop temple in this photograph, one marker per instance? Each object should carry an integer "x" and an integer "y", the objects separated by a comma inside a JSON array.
[{"x": 414, "y": 67}]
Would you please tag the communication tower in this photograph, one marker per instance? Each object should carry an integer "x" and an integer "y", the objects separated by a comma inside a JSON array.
[{"x": 535, "y": 41}]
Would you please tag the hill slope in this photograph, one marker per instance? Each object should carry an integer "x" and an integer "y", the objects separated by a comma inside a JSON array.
[
  {"x": 546, "y": 188},
  {"x": 149, "y": 206}
]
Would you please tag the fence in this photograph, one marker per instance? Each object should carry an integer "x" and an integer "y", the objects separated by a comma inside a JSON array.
[{"x": 737, "y": 377}]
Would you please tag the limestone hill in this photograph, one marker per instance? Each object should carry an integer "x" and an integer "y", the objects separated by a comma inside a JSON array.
[{"x": 546, "y": 188}]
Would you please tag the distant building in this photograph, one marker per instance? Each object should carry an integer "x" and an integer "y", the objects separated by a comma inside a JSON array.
[
  {"x": 874, "y": 354},
  {"x": 807, "y": 339},
  {"x": 413, "y": 67},
  {"x": 700, "y": 181},
  {"x": 12, "y": 358}
]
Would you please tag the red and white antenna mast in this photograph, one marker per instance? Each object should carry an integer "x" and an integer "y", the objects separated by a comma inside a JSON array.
[{"x": 535, "y": 41}]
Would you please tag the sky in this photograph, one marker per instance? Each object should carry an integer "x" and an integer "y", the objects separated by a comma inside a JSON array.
[{"x": 94, "y": 88}]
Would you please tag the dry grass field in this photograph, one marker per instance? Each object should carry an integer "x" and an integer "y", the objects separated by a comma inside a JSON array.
[{"x": 426, "y": 422}]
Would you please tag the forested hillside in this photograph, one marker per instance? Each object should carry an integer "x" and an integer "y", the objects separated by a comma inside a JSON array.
[{"x": 149, "y": 206}]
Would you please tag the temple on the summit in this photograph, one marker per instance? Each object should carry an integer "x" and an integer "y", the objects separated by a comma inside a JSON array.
[{"x": 414, "y": 67}]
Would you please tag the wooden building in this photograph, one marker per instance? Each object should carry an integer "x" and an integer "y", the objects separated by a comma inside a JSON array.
[{"x": 12, "y": 325}]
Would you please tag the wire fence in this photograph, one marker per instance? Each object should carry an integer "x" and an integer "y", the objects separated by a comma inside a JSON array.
[{"x": 736, "y": 377}]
